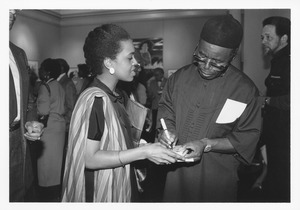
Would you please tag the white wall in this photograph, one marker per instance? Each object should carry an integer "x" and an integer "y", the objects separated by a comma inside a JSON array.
[
  {"x": 42, "y": 39},
  {"x": 180, "y": 37},
  {"x": 39, "y": 40}
]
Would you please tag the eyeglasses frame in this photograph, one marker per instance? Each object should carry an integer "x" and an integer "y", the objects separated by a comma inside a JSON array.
[{"x": 212, "y": 65}]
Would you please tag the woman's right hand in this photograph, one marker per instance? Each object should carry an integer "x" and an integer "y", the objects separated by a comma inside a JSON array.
[{"x": 160, "y": 155}]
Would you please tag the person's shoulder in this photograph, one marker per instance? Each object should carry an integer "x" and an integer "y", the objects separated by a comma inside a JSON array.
[
  {"x": 98, "y": 102},
  {"x": 141, "y": 86},
  {"x": 55, "y": 83},
  {"x": 89, "y": 93},
  {"x": 15, "y": 48},
  {"x": 63, "y": 80},
  {"x": 182, "y": 72},
  {"x": 70, "y": 82},
  {"x": 241, "y": 79}
]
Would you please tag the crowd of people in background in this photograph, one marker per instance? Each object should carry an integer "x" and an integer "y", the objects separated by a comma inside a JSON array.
[{"x": 85, "y": 134}]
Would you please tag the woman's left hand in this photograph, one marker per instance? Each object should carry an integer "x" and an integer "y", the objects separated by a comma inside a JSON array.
[{"x": 160, "y": 155}]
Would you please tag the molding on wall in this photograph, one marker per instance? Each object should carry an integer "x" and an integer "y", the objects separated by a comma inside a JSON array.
[
  {"x": 89, "y": 17},
  {"x": 40, "y": 15}
]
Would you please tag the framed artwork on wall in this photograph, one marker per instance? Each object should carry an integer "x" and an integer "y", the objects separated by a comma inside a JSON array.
[
  {"x": 151, "y": 56},
  {"x": 151, "y": 50}
]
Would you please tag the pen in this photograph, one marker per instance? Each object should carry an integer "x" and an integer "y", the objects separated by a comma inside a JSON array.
[{"x": 163, "y": 124}]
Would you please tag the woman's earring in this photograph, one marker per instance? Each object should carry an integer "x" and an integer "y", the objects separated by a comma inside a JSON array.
[{"x": 111, "y": 71}]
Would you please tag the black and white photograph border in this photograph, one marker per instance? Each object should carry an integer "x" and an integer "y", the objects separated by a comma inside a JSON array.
[{"x": 159, "y": 4}]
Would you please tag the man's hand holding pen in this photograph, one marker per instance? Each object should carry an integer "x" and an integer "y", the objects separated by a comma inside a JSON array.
[{"x": 169, "y": 140}]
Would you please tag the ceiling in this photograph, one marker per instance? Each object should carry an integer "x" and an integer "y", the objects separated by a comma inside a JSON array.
[
  {"x": 68, "y": 17},
  {"x": 86, "y": 12},
  {"x": 70, "y": 13}
]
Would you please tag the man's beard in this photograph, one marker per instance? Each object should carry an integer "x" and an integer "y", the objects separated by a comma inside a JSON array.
[{"x": 267, "y": 51}]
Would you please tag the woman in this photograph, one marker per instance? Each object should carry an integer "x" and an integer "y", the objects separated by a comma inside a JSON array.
[
  {"x": 99, "y": 138},
  {"x": 50, "y": 102}
]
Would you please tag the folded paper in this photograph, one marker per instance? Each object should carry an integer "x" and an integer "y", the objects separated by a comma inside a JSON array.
[{"x": 231, "y": 111}]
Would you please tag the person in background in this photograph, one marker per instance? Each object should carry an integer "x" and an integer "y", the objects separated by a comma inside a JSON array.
[
  {"x": 76, "y": 80},
  {"x": 21, "y": 186},
  {"x": 70, "y": 90},
  {"x": 79, "y": 76},
  {"x": 155, "y": 174},
  {"x": 139, "y": 89},
  {"x": 101, "y": 151},
  {"x": 200, "y": 105},
  {"x": 86, "y": 77},
  {"x": 70, "y": 100},
  {"x": 154, "y": 93},
  {"x": 33, "y": 79},
  {"x": 51, "y": 110},
  {"x": 276, "y": 119}
]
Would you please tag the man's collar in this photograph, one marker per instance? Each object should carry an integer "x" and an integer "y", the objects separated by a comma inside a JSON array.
[
  {"x": 283, "y": 51},
  {"x": 61, "y": 76}
]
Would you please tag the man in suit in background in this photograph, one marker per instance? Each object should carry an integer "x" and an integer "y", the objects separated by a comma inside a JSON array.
[
  {"x": 21, "y": 186},
  {"x": 276, "y": 36}
]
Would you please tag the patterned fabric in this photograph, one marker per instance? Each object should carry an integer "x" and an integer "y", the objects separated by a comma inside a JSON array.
[{"x": 110, "y": 185}]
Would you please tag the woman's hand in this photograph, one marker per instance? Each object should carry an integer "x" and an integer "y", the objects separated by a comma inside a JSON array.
[
  {"x": 160, "y": 155},
  {"x": 181, "y": 150}
]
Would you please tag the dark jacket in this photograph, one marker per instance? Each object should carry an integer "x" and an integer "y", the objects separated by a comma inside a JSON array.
[
  {"x": 21, "y": 175},
  {"x": 276, "y": 126},
  {"x": 278, "y": 81}
]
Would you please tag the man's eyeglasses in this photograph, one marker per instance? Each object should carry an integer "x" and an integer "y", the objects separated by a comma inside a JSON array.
[{"x": 200, "y": 59}]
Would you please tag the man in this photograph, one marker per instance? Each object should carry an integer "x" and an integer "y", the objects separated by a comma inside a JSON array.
[
  {"x": 276, "y": 127},
  {"x": 214, "y": 110},
  {"x": 20, "y": 167}
]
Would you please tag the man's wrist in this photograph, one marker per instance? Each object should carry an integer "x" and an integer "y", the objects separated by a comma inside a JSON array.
[
  {"x": 207, "y": 148},
  {"x": 207, "y": 145}
]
